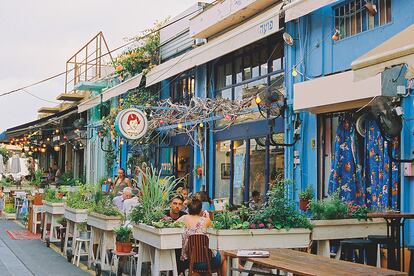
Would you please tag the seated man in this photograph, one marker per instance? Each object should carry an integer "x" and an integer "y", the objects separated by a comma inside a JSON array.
[
  {"x": 176, "y": 206},
  {"x": 118, "y": 201}
]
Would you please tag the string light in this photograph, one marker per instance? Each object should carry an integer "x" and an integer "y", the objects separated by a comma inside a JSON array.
[
  {"x": 57, "y": 131},
  {"x": 180, "y": 126},
  {"x": 258, "y": 99},
  {"x": 56, "y": 148},
  {"x": 121, "y": 142},
  {"x": 201, "y": 125},
  {"x": 294, "y": 72}
]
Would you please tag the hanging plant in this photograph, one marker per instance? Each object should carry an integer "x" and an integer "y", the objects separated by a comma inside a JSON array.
[{"x": 6, "y": 154}]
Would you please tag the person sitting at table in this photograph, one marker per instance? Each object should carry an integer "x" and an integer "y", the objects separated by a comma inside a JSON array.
[
  {"x": 121, "y": 181},
  {"x": 256, "y": 202},
  {"x": 118, "y": 201},
  {"x": 176, "y": 206},
  {"x": 130, "y": 203},
  {"x": 195, "y": 223},
  {"x": 183, "y": 191}
]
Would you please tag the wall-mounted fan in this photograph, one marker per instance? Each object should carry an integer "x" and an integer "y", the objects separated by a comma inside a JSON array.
[
  {"x": 271, "y": 102},
  {"x": 389, "y": 122}
]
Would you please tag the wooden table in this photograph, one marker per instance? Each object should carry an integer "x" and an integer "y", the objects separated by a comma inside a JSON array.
[
  {"x": 395, "y": 230},
  {"x": 301, "y": 263}
]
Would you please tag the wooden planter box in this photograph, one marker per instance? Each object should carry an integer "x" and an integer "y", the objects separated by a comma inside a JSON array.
[
  {"x": 53, "y": 208},
  {"x": 347, "y": 228},
  {"x": 160, "y": 238},
  {"x": 106, "y": 223},
  {"x": 76, "y": 215},
  {"x": 258, "y": 238}
]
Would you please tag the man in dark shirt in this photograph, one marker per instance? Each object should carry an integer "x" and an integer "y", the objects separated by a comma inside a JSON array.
[
  {"x": 175, "y": 212},
  {"x": 176, "y": 206}
]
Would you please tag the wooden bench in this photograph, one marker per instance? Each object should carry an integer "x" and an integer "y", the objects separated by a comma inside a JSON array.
[{"x": 301, "y": 263}]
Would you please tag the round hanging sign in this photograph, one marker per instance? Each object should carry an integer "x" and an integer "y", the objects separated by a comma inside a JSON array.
[{"x": 131, "y": 123}]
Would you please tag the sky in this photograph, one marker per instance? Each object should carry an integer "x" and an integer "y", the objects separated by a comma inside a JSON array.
[{"x": 38, "y": 37}]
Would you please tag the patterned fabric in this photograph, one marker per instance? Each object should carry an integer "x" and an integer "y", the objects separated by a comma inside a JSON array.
[
  {"x": 378, "y": 168},
  {"x": 346, "y": 170}
]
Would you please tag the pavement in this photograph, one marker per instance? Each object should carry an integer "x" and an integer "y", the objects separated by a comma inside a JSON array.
[{"x": 31, "y": 257}]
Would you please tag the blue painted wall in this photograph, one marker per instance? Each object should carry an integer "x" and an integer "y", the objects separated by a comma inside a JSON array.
[{"x": 316, "y": 54}]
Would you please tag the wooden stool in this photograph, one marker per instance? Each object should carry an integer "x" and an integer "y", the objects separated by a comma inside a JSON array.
[
  {"x": 116, "y": 256},
  {"x": 411, "y": 269},
  {"x": 78, "y": 250},
  {"x": 366, "y": 251},
  {"x": 388, "y": 242}
]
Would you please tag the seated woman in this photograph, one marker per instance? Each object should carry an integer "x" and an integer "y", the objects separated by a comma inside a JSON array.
[{"x": 197, "y": 224}]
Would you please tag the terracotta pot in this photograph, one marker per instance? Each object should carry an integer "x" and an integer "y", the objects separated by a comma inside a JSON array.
[
  {"x": 304, "y": 204},
  {"x": 126, "y": 247},
  {"x": 37, "y": 199},
  {"x": 119, "y": 246}
]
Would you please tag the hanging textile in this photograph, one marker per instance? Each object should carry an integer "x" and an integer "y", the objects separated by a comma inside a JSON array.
[
  {"x": 378, "y": 169},
  {"x": 346, "y": 170}
]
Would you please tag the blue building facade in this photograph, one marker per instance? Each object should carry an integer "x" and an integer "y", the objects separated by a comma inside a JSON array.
[{"x": 327, "y": 41}]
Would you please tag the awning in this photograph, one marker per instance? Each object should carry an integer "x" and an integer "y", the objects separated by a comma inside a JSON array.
[
  {"x": 399, "y": 49},
  {"x": 254, "y": 29},
  {"x": 18, "y": 130},
  {"x": 336, "y": 92},
  {"x": 301, "y": 8},
  {"x": 111, "y": 93}
]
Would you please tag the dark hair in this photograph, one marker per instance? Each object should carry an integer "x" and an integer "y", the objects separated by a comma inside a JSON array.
[
  {"x": 177, "y": 196},
  {"x": 122, "y": 169},
  {"x": 255, "y": 193},
  {"x": 203, "y": 196},
  {"x": 194, "y": 206}
]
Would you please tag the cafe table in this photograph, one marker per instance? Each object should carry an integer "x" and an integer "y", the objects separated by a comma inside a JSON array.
[
  {"x": 395, "y": 230},
  {"x": 295, "y": 262}
]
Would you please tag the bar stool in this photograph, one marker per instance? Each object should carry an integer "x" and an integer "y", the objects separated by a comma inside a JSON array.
[
  {"x": 388, "y": 242},
  {"x": 366, "y": 251},
  {"x": 116, "y": 256},
  {"x": 78, "y": 250}
]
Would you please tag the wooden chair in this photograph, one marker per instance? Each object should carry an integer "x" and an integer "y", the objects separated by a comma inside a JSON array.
[{"x": 200, "y": 253}]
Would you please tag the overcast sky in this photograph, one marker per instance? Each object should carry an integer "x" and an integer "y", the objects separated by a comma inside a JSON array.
[{"x": 38, "y": 37}]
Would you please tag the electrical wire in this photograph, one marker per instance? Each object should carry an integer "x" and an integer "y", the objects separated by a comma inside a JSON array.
[
  {"x": 105, "y": 54},
  {"x": 39, "y": 98}
]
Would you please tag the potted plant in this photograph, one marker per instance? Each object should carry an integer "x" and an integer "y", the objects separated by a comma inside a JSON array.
[
  {"x": 150, "y": 226},
  {"x": 10, "y": 212},
  {"x": 334, "y": 219},
  {"x": 104, "y": 215},
  {"x": 53, "y": 204},
  {"x": 83, "y": 231},
  {"x": 304, "y": 198},
  {"x": 78, "y": 202},
  {"x": 277, "y": 224},
  {"x": 123, "y": 239}
]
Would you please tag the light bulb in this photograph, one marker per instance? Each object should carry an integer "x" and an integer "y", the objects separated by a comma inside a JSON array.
[
  {"x": 121, "y": 142},
  {"x": 180, "y": 126},
  {"x": 201, "y": 125},
  {"x": 258, "y": 99},
  {"x": 294, "y": 72}
]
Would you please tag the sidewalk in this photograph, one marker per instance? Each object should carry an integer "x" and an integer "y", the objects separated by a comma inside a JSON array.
[{"x": 31, "y": 257}]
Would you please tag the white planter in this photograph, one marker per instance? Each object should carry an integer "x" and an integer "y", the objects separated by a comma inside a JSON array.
[
  {"x": 258, "y": 238},
  {"x": 76, "y": 215},
  {"x": 347, "y": 228},
  {"x": 53, "y": 208},
  {"x": 106, "y": 223},
  {"x": 10, "y": 216},
  {"x": 160, "y": 238}
]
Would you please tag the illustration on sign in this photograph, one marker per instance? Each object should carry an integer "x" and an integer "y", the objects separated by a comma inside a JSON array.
[{"x": 131, "y": 123}]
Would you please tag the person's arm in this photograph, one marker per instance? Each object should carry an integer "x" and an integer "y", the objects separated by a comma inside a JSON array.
[
  {"x": 128, "y": 182},
  {"x": 207, "y": 222}
]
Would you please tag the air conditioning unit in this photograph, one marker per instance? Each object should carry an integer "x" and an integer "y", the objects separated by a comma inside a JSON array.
[{"x": 199, "y": 41}]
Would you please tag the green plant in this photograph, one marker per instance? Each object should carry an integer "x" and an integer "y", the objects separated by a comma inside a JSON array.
[
  {"x": 229, "y": 220},
  {"x": 37, "y": 178},
  {"x": 168, "y": 222},
  {"x": 5, "y": 153},
  {"x": 307, "y": 194},
  {"x": 329, "y": 208},
  {"x": 106, "y": 208},
  {"x": 155, "y": 194},
  {"x": 279, "y": 212},
  {"x": 10, "y": 210},
  {"x": 82, "y": 198},
  {"x": 359, "y": 212},
  {"x": 123, "y": 234},
  {"x": 50, "y": 195},
  {"x": 82, "y": 227}
]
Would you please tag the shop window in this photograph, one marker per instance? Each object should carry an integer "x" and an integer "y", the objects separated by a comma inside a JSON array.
[
  {"x": 352, "y": 18},
  {"x": 222, "y": 169},
  {"x": 257, "y": 166},
  {"x": 239, "y": 149},
  {"x": 182, "y": 89},
  {"x": 250, "y": 66}
]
